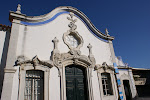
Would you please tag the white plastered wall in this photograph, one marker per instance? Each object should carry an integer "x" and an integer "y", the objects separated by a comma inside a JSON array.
[
  {"x": 37, "y": 40},
  {"x": 2, "y": 40}
]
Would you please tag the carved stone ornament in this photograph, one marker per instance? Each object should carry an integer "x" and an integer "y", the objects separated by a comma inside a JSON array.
[
  {"x": 74, "y": 42},
  {"x": 18, "y": 9},
  {"x": 58, "y": 59},
  {"x": 72, "y": 38},
  {"x": 72, "y": 23},
  {"x": 104, "y": 66},
  {"x": 73, "y": 55},
  {"x": 91, "y": 56},
  {"x": 35, "y": 61}
]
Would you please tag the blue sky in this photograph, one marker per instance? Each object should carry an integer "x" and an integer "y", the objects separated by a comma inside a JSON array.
[{"x": 127, "y": 20}]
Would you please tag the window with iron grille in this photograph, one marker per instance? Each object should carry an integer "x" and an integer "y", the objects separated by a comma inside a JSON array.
[
  {"x": 106, "y": 83},
  {"x": 34, "y": 86}
]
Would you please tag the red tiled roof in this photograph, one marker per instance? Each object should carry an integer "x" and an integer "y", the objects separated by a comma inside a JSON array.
[{"x": 4, "y": 27}]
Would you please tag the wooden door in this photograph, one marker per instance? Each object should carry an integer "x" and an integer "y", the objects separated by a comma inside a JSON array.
[{"x": 76, "y": 84}]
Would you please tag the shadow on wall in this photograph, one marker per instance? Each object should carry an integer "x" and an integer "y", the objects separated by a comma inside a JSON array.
[{"x": 4, "y": 58}]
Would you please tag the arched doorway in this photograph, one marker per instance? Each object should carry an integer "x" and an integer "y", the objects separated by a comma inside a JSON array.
[{"x": 76, "y": 83}]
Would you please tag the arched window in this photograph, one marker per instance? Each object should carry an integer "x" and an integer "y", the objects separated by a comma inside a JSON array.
[
  {"x": 34, "y": 85},
  {"x": 106, "y": 83}
]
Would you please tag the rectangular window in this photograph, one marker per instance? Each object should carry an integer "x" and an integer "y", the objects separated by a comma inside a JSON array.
[
  {"x": 106, "y": 83},
  {"x": 34, "y": 86}
]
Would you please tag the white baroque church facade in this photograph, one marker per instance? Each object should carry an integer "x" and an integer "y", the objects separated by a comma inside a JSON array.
[{"x": 61, "y": 56}]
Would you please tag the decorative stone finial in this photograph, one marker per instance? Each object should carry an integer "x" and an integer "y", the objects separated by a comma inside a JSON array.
[
  {"x": 72, "y": 23},
  {"x": 90, "y": 50},
  {"x": 106, "y": 32},
  {"x": 18, "y": 9},
  {"x": 91, "y": 56},
  {"x": 55, "y": 41}
]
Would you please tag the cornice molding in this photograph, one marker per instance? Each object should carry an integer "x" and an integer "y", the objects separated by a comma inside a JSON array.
[{"x": 104, "y": 66}]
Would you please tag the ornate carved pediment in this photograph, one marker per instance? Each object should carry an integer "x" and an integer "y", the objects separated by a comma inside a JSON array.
[
  {"x": 74, "y": 55},
  {"x": 104, "y": 66},
  {"x": 34, "y": 61}
]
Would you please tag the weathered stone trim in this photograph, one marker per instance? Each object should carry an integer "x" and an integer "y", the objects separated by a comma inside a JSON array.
[
  {"x": 6, "y": 70},
  {"x": 35, "y": 61},
  {"x": 104, "y": 66}
]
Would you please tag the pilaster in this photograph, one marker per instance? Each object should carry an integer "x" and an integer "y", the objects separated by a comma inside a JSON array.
[
  {"x": 11, "y": 56},
  {"x": 10, "y": 62},
  {"x": 8, "y": 84}
]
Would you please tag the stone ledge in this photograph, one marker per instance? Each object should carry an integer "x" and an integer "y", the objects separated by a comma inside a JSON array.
[{"x": 10, "y": 70}]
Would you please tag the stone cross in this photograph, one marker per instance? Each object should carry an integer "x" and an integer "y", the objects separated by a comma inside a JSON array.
[{"x": 18, "y": 9}]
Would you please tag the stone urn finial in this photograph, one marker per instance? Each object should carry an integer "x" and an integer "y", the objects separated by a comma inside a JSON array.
[
  {"x": 90, "y": 49},
  {"x": 55, "y": 41},
  {"x": 91, "y": 56},
  {"x": 18, "y": 9}
]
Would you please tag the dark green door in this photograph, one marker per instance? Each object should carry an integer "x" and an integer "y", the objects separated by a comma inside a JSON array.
[{"x": 76, "y": 84}]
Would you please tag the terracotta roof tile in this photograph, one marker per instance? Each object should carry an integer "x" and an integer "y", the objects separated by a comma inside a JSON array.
[{"x": 4, "y": 27}]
